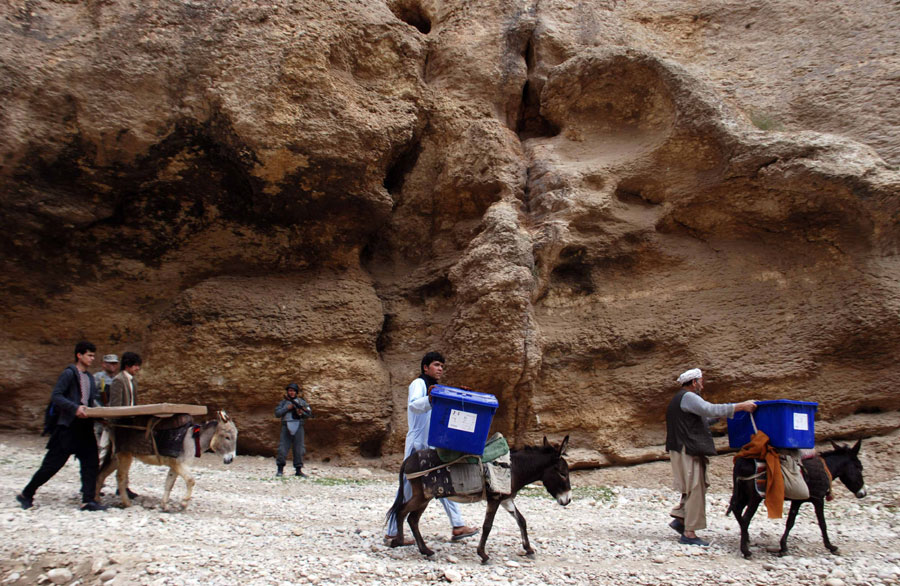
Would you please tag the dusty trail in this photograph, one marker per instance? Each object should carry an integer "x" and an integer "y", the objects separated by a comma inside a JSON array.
[{"x": 247, "y": 527}]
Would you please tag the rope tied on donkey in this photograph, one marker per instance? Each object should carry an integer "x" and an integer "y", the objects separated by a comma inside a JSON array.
[
  {"x": 163, "y": 436},
  {"x": 442, "y": 465},
  {"x": 465, "y": 477},
  {"x": 769, "y": 470},
  {"x": 758, "y": 448},
  {"x": 195, "y": 433}
]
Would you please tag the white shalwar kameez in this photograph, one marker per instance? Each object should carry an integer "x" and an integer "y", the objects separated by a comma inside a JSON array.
[{"x": 418, "y": 417}]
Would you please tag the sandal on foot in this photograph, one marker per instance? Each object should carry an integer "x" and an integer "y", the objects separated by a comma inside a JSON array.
[{"x": 460, "y": 533}]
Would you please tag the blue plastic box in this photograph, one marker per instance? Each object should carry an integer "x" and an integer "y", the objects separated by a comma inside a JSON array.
[
  {"x": 460, "y": 419},
  {"x": 789, "y": 424}
]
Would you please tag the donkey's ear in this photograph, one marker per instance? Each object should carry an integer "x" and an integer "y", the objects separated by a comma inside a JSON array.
[
  {"x": 563, "y": 446},
  {"x": 223, "y": 416},
  {"x": 855, "y": 449},
  {"x": 546, "y": 443},
  {"x": 834, "y": 445}
]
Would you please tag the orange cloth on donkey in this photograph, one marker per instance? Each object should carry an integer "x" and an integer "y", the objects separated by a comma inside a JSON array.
[{"x": 758, "y": 448}]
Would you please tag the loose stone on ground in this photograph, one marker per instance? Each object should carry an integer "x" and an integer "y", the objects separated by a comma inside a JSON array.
[{"x": 245, "y": 526}]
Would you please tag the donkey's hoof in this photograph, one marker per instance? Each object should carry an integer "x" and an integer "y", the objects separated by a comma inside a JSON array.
[
  {"x": 485, "y": 561},
  {"x": 747, "y": 555},
  {"x": 834, "y": 550}
]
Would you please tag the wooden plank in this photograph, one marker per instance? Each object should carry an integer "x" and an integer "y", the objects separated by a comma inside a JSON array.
[{"x": 158, "y": 409}]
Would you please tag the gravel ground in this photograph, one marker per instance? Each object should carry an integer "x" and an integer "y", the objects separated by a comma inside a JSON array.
[{"x": 245, "y": 526}]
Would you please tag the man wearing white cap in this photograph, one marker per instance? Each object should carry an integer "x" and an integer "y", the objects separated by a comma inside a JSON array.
[{"x": 689, "y": 444}]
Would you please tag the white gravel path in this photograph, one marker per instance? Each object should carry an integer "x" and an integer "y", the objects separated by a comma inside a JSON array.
[{"x": 244, "y": 526}]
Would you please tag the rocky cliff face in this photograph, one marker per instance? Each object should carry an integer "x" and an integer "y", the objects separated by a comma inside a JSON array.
[{"x": 573, "y": 201}]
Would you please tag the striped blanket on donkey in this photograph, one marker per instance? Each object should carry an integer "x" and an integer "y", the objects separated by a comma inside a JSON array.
[{"x": 463, "y": 477}]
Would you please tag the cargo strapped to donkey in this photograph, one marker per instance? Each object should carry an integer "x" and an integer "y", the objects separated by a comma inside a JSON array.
[
  {"x": 466, "y": 477},
  {"x": 493, "y": 449},
  {"x": 164, "y": 425}
]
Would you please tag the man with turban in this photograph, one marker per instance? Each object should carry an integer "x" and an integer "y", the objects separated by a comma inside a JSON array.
[{"x": 689, "y": 444}]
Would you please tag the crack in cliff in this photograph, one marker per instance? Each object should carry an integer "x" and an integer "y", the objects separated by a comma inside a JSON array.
[
  {"x": 412, "y": 13},
  {"x": 523, "y": 386},
  {"x": 529, "y": 121},
  {"x": 415, "y": 15},
  {"x": 401, "y": 167},
  {"x": 382, "y": 341},
  {"x": 526, "y": 189}
]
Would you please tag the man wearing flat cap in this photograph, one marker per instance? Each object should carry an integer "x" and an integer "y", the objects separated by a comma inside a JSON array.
[
  {"x": 103, "y": 378},
  {"x": 292, "y": 410},
  {"x": 690, "y": 444},
  {"x": 123, "y": 392}
]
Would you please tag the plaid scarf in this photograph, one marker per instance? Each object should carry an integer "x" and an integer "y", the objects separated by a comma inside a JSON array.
[{"x": 85, "y": 383}]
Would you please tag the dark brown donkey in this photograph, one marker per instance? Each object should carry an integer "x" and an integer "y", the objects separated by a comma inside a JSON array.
[
  {"x": 530, "y": 464},
  {"x": 841, "y": 463}
]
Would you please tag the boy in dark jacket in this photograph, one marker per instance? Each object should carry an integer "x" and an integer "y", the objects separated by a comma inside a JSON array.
[{"x": 74, "y": 434}]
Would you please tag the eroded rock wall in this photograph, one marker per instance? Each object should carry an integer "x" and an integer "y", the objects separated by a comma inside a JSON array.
[{"x": 573, "y": 201}]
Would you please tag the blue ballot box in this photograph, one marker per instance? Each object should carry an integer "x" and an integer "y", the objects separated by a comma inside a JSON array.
[
  {"x": 460, "y": 419},
  {"x": 789, "y": 424}
]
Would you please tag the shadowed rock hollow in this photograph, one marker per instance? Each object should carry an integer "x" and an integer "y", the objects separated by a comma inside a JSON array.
[{"x": 573, "y": 201}]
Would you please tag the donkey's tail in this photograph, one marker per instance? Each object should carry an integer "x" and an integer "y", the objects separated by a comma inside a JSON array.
[
  {"x": 107, "y": 458},
  {"x": 740, "y": 474},
  {"x": 398, "y": 500},
  {"x": 735, "y": 487}
]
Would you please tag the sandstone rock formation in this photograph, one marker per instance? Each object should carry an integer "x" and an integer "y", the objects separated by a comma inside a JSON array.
[{"x": 573, "y": 201}]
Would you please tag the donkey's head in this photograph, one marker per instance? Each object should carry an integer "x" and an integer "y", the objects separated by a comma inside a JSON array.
[
  {"x": 556, "y": 475},
  {"x": 844, "y": 464},
  {"x": 224, "y": 440}
]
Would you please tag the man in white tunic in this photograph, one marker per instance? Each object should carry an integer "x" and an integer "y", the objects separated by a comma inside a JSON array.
[
  {"x": 690, "y": 443},
  {"x": 418, "y": 416}
]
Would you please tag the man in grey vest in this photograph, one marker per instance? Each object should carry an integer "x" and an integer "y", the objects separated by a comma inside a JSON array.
[
  {"x": 293, "y": 411},
  {"x": 690, "y": 444}
]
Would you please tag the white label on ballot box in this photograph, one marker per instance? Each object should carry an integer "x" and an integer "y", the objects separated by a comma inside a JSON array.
[
  {"x": 462, "y": 421},
  {"x": 801, "y": 421}
]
